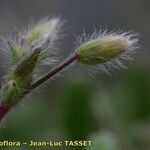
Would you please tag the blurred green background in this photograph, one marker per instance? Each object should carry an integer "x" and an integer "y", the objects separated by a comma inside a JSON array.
[{"x": 113, "y": 112}]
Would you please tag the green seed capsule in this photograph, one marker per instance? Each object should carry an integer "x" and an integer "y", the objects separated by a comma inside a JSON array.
[
  {"x": 100, "y": 50},
  {"x": 19, "y": 79}
]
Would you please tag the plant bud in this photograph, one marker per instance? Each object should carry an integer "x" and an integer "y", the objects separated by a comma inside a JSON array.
[
  {"x": 27, "y": 65},
  {"x": 20, "y": 78},
  {"x": 27, "y": 51},
  {"x": 46, "y": 30},
  {"x": 103, "y": 52},
  {"x": 16, "y": 52},
  {"x": 100, "y": 50}
]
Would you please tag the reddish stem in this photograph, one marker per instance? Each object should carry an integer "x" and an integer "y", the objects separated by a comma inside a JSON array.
[
  {"x": 54, "y": 71},
  {"x": 4, "y": 109}
]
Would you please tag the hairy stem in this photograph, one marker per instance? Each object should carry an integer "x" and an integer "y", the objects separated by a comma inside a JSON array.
[
  {"x": 4, "y": 109},
  {"x": 49, "y": 75}
]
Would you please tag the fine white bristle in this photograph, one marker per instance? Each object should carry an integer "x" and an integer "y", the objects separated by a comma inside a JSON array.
[{"x": 119, "y": 61}]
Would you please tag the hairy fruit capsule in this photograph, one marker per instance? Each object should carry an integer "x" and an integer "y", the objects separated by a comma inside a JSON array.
[
  {"x": 100, "y": 50},
  {"x": 103, "y": 51}
]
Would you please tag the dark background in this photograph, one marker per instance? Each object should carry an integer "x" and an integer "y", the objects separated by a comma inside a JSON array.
[{"x": 113, "y": 112}]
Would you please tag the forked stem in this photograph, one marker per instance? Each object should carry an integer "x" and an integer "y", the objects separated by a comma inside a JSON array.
[
  {"x": 4, "y": 109},
  {"x": 53, "y": 72}
]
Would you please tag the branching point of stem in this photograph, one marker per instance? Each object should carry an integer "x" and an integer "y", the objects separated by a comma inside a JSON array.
[{"x": 4, "y": 109}]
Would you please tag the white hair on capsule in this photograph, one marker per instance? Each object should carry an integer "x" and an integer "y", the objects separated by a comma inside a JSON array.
[
  {"x": 50, "y": 32},
  {"x": 49, "y": 29},
  {"x": 119, "y": 61},
  {"x": 10, "y": 37}
]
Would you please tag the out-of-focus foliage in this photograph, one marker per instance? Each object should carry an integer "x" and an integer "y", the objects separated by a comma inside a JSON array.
[
  {"x": 104, "y": 141},
  {"x": 113, "y": 113}
]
